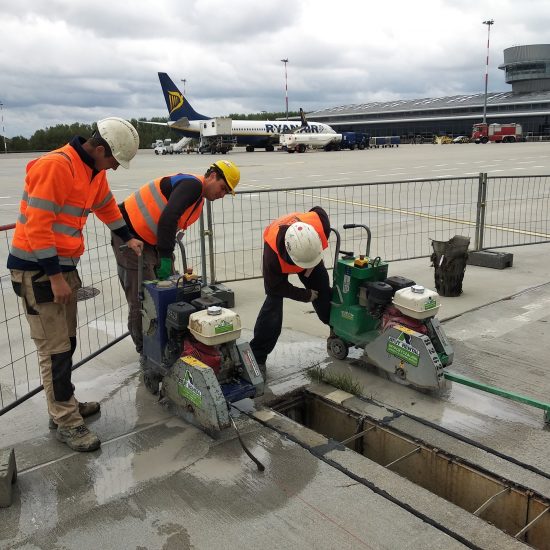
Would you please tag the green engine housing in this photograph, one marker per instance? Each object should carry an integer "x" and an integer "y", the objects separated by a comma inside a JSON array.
[{"x": 348, "y": 318}]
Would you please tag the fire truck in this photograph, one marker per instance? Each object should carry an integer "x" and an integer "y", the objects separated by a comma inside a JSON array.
[{"x": 505, "y": 133}]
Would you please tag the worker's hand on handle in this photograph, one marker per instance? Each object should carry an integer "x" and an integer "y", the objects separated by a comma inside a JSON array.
[
  {"x": 136, "y": 245},
  {"x": 314, "y": 295},
  {"x": 62, "y": 292},
  {"x": 165, "y": 269}
]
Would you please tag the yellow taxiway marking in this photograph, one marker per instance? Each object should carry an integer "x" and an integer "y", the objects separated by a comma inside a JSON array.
[{"x": 427, "y": 216}]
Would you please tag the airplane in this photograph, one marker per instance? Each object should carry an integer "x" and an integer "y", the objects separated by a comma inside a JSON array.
[{"x": 251, "y": 133}]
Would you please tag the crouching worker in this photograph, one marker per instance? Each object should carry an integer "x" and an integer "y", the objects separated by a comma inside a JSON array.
[
  {"x": 155, "y": 213},
  {"x": 292, "y": 244},
  {"x": 61, "y": 189}
]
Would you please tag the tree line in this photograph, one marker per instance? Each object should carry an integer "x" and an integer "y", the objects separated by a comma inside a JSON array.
[{"x": 56, "y": 136}]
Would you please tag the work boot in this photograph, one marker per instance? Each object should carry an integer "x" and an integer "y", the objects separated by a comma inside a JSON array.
[
  {"x": 78, "y": 438},
  {"x": 85, "y": 410}
]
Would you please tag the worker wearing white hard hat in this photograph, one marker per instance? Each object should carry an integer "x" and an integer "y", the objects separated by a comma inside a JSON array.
[
  {"x": 61, "y": 188},
  {"x": 121, "y": 138},
  {"x": 292, "y": 244}
]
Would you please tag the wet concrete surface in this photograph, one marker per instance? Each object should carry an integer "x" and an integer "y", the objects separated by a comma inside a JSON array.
[
  {"x": 158, "y": 482},
  {"x": 169, "y": 485}
]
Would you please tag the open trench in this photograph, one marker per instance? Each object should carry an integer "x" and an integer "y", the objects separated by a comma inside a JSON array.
[{"x": 518, "y": 511}]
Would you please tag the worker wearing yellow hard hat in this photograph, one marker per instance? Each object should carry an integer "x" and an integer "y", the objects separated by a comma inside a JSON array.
[{"x": 154, "y": 214}]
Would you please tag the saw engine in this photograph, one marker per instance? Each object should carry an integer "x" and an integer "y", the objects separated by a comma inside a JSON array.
[
  {"x": 391, "y": 318},
  {"x": 192, "y": 354}
]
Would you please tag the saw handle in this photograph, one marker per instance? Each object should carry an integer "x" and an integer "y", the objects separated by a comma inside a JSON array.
[{"x": 366, "y": 228}]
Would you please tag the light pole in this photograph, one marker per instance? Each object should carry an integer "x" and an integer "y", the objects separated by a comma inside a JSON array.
[
  {"x": 184, "y": 81},
  {"x": 489, "y": 22},
  {"x": 285, "y": 61},
  {"x": 3, "y": 131}
]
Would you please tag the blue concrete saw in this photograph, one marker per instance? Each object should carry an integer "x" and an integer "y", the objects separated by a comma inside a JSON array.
[{"x": 192, "y": 352}]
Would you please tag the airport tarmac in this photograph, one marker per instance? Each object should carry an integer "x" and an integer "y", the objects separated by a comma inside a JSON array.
[
  {"x": 160, "y": 483},
  {"x": 278, "y": 169}
]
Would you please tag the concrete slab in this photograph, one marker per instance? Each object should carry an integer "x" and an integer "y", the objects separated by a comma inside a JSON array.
[{"x": 8, "y": 475}]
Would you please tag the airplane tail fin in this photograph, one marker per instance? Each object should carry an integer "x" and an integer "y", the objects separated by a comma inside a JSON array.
[{"x": 178, "y": 106}]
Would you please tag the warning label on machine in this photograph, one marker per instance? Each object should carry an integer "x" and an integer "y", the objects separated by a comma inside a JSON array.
[
  {"x": 400, "y": 348},
  {"x": 188, "y": 390}
]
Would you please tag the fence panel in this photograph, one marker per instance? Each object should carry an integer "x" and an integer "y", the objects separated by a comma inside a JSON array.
[
  {"x": 102, "y": 309},
  {"x": 517, "y": 211},
  {"x": 404, "y": 216}
]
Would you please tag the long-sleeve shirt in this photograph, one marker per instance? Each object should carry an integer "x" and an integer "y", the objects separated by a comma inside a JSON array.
[
  {"x": 61, "y": 189},
  {"x": 276, "y": 282},
  {"x": 181, "y": 191}
]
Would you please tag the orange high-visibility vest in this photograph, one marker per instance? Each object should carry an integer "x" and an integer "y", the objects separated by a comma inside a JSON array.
[
  {"x": 272, "y": 230},
  {"x": 60, "y": 191},
  {"x": 145, "y": 206}
]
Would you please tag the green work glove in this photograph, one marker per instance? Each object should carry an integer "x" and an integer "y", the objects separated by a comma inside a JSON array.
[{"x": 165, "y": 269}]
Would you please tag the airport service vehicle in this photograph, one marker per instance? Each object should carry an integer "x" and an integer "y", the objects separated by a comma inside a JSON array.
[
  {"x": 505, "y": 133},
  {"x": 442, "y": 140},
  {"x": 300, "y": 141},
  {"x": 163, "y": 147},
  {"x": 352, "y": 140},
  {"x": 166, "y": 147},
  {"x": 391, "y": 318},
  {"x": 384, "y": 141},
  {"x": 461, "y": 139},
  {"x": 192, "y": 355},
  {"x": 215, "y": 136}
]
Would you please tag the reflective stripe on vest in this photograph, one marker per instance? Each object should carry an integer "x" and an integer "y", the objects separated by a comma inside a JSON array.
[
  {"x": 145, "y": 206},
  {"x": 55, "y": 228},
  {"x": 272, "y": 230}
]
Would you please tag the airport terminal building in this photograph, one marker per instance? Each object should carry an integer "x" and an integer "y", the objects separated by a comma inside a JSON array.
[{"x": 527, "y": 69}]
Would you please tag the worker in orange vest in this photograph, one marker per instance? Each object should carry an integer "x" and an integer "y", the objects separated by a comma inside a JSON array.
[
  {"x": 292, "y": 244},
  {"x": 61, "y": 189},
  {"x": 154, "y": 214}
]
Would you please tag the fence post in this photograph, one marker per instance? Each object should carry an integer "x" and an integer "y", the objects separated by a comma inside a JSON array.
[
  {"x": 203, "y": 251},
  {"x": 480, "y": 211},
  {"x": 210, "y": 234}
]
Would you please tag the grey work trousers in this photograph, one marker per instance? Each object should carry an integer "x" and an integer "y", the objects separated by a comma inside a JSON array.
[
  {"x": 53, "y": 330},
  {"x": 127, "y": 269}
]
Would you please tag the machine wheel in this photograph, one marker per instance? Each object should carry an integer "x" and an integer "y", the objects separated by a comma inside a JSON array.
[
  {"x": 152, "y": 382},
  {"x": 249, "y": 149},
  {"x": 301, "y": 148},
  {"x": 337, "y": 348},
  {"x": 484, "y": 139},
  {"x": 270, "y": 148}
]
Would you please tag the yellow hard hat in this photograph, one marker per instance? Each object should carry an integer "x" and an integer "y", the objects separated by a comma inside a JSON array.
[{"x": 230, "y": 172}]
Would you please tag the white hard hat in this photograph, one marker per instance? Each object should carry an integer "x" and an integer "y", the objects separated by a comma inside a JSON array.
[
  {"x": 122, "y": 138},
  {"x": 303, "y": 245}
]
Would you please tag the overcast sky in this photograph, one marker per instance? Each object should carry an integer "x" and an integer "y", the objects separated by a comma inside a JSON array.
[{"x": 67, "y": 61}]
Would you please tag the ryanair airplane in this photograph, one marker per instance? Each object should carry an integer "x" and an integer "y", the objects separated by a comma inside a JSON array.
[{"x": 252, "y": 133}]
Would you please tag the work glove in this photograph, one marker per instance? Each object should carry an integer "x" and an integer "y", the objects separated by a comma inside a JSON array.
[
  {"x": 165, "y": 269},
  {"x": 314, "y": 295}
]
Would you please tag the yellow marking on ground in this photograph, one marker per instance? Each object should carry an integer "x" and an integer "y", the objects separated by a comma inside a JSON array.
[{"x": 427, "y": 216}]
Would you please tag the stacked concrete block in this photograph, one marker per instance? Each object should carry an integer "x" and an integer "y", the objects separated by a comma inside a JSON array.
[{"x": 8, "y": 475}]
